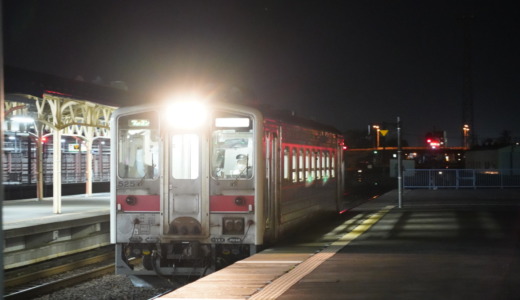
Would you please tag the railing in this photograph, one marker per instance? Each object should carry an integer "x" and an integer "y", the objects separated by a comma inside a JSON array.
[{"x": 460, "y": 178}]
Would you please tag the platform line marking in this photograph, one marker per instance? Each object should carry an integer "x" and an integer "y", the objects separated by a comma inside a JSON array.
[
  {"x": 269, "y": 262},
  {"x": 285, "y": 282}
]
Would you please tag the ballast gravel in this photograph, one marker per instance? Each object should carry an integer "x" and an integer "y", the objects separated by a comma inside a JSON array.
[{"x": 110, "y": 287}]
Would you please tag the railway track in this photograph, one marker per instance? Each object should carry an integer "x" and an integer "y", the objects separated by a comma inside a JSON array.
[{"x": 30, "y": 284}]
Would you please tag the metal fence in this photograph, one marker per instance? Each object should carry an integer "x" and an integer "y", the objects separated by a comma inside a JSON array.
[{"x": 461, "y": 178}]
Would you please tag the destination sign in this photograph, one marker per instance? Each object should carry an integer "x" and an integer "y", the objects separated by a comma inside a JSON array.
[{"x": 138, "y": 123}]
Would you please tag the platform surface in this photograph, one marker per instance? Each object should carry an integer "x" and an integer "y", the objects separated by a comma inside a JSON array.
[
  {"x": 442, "y": 244},
  {"x": 30, "y": 212}
]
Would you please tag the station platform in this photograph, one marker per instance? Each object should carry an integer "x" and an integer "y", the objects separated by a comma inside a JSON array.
[
  {"x": 34, "y": 233},
  {"x": 31, "y": 212},
  {"x": 442, "y": 244}
]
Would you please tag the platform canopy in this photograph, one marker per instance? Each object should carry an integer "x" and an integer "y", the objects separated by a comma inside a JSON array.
[{"x": 59, "y": 115}]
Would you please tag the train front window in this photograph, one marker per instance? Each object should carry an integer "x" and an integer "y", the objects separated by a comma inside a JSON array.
[
  {"x": 232, "y": 148},
  {"x": 185, "y": 156},
  {"x": 138, "y": 149}
]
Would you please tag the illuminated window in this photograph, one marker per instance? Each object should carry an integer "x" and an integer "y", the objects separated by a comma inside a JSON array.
[
  {"x": 286, "y": 163},
  {"x": 327, "y": 164},
  {"x": 301, "y": 167},
  {"x": 307, "y": 164},
  {"x": 313, "y": 165},
  {"x": 319, "y": 164},
  {"x": 333, "y": 165},
  {"x": 294, "y": 166}
]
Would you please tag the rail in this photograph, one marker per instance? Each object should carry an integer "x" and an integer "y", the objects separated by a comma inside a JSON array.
[
  {"x": 461, "y": 178},
  {"x": 35, "y": 280}
]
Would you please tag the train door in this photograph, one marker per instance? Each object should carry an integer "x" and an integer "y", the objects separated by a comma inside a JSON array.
[
  {"x": 273, "y": 185},
  {"x": 184, "y": 207}
]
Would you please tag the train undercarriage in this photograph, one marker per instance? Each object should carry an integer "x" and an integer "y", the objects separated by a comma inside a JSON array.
[{"x": 188, "y": 259}]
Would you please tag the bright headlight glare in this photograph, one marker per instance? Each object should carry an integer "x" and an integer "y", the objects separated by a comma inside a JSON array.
[{"x": 186, "y": 114}]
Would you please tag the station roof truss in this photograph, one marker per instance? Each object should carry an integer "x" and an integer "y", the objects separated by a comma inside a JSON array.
[{"x": 57, "y": 112}]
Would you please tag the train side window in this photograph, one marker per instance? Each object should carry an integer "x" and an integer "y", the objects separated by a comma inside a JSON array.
[
  {"x": 301, "y": 167},
  {"x": 286, "y": 163},
  {"x": 294, "y": 165},
  {"x": 318, "y": 164},
  {"x": 333, "y": 164},
  {"x": 185, "y": 156},
  {"x": 327, "y": 164},
  {"x": 307, "y": 164},
  {"x": 313, "y": 165}
]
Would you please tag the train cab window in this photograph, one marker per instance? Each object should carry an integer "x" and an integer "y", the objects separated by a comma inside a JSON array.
[
  {"x": 185, "y": 156},
  {"x": 138, "y": 150},
  {"x": 232, "y": 148}
]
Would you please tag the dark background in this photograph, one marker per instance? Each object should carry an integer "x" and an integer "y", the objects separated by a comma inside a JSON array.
[{"x": 344, "y": 63}]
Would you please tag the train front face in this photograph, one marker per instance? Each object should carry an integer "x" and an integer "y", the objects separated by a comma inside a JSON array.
[{"x": 185, "y": 188}]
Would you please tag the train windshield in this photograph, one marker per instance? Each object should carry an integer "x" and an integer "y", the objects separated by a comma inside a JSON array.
[
  {"x": 232, "y": 148},
  {"x": 138, "y": 151}
]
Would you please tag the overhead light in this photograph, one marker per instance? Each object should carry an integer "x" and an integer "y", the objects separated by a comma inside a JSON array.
[{"x": 22, "y": 119}]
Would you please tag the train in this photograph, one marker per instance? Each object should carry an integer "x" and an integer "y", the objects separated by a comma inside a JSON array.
[{"x": 199, "y": 184}]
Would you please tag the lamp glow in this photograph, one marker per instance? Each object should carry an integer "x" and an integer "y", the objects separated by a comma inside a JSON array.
[{"x": 186, "y": 114}]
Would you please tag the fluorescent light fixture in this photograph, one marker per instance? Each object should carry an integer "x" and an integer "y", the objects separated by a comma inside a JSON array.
[
  {"x": 232, "y": 122},
  {"x": 22, "y": 119}
]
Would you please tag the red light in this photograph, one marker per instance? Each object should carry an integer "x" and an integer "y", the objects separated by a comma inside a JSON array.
[
  {"x": 44, "y": 139},
  {"x": 428, "y": 141},
  {"x": 345, "y": 147}
]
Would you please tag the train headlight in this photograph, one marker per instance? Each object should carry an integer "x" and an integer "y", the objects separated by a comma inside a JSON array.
[{"x": 186, "y": 114}]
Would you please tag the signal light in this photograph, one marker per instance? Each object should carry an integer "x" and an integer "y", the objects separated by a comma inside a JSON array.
[{"x": 44, "y": 139}]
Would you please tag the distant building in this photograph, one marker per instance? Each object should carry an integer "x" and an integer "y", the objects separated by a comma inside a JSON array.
[{"x": 494, "y": 159}]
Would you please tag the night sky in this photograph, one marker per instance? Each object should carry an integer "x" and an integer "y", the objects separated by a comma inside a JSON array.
[{"x": 344, "y": 63}]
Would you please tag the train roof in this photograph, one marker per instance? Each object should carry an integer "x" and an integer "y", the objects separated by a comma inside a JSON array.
[
  {"x": 287, "y": 116},
  {"x": 277, "y": 115}
]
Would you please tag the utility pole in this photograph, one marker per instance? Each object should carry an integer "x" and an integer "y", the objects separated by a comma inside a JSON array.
[
  {"x": 1, "y": 149},
  {"x": 399, "y": 165},
  {"x": 467, "y": 126}
]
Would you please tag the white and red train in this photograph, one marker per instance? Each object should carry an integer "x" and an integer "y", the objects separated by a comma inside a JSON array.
[{"x": 196, "y": 186}]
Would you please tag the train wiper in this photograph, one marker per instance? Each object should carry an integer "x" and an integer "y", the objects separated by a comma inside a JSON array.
[{"x": 146, "y": 174}]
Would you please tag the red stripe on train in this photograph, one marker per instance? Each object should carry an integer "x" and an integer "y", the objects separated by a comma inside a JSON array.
[
  {"x": 234, "y": 203},
  {"x": 150, "y": 203}
]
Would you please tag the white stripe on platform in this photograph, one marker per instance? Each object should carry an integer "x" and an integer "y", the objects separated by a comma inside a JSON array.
[
  {"x": 269, "y": 261},
  {"x": 283, "y": 283}
]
